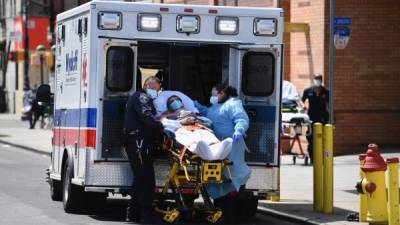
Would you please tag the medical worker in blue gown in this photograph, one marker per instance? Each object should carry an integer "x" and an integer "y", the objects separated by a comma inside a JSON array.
[{"x": 229, "y": 120}]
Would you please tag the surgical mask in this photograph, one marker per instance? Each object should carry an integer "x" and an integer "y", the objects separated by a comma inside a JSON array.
[
  {"x": 176, "y": 104},
  {"x": 317, "y": 82},
  {"x": 151, "y": 93},
  {"x": 213, "y": 100}
]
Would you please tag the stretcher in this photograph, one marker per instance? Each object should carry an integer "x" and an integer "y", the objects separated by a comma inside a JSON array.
[
  {"x": 294, "y": 123},
  {"x": 187, "y": 179}
]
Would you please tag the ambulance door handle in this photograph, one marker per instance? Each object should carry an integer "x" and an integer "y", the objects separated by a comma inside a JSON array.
[
  {"x": 252, "y": 113},
  {"x": 76, "y": 149}
]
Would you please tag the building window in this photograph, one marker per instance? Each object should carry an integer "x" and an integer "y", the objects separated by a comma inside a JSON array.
[
  {"x": 258, "y": 73},
  {"x": 119, "y": 68}
]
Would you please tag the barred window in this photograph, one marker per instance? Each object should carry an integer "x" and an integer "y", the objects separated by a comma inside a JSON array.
[
  {"x": 258, "y": 74},
  {"x": 119, "y": 72}
]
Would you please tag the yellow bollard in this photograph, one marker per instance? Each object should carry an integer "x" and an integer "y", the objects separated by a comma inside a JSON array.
[
  {"x": 362, "y": 216},
  {"x": 328, "y": 168},
  {"x": 393, "y": 190},
  {"x": 373, "y": 186},
  {"x": 318, "y": 167}
]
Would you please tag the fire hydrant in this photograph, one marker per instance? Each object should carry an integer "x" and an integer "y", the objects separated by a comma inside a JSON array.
[{"x": 373, "y": 186}]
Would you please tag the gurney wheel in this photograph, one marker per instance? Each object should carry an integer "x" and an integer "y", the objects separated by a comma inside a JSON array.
[
  {"x": 306, "y": 159},
  {"x": 294, "y": 160}
]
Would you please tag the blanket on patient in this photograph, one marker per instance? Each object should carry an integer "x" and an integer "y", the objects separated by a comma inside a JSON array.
[{"x": 199, "y": 140}]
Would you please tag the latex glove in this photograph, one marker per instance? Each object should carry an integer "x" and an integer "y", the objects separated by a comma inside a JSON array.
[{"x": 237, "y": 135}]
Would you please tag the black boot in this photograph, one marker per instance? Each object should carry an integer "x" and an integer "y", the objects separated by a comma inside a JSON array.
[
  {"x": 148, "y": 216},
  {"x": 133, "y": 213},
  {"x": 226, "y": 204}
]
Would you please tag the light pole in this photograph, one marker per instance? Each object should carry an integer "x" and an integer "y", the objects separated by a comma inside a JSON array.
[
  {"x": 26, "y": 45},
  {"x": 51, "y": 22},
  {"x": 331, "y": 68},
  {"x": 40, "y": 50}
]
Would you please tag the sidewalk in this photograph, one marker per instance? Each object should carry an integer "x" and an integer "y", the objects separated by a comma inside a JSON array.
[
  {"x": 15, "y": 132},
  {"x": 296, "y": 180}
]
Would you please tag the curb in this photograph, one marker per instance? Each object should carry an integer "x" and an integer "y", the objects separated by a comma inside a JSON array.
[
  {"x": 286, "y": 216},
  {"x": 34, "y": 150}
]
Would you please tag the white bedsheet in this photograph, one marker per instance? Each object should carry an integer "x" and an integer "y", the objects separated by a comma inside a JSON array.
[
  {"x": 201, "y": 141},
  {"x": 288, "y": 116}
]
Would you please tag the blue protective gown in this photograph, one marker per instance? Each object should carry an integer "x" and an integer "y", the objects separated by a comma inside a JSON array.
[{"x": 227, "y": 118}]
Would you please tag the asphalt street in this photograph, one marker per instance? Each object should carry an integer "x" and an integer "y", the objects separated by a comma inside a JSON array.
[{"x": 25, "y": 199}]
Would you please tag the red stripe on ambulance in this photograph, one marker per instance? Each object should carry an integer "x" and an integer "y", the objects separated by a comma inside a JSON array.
[{"x": 69, "y": 136}]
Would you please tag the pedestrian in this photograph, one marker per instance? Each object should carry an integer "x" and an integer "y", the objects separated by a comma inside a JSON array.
[
  {"x": 141, "y": 129},
  {"x": 318, "y": 99},
  {"x": 36, "y": 111},
  {"x": 230, "y": 120}
]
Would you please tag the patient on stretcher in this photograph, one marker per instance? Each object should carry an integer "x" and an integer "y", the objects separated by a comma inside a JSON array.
[{"x": 193, "y": 131}]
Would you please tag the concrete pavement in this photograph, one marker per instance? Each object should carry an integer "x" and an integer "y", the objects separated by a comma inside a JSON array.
[{"x": 296, "y": 180}]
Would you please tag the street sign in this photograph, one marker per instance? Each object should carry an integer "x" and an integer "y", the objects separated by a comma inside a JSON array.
[
  {"x": 341, "y": 36},
  {"x": 342, "y": 21},
  {"x": 15, "y": 36}
]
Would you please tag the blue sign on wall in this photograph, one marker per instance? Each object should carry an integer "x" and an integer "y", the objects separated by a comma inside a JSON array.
[
  {"x": 341, "y": 37},
  {"x": 342, "y": 21}
]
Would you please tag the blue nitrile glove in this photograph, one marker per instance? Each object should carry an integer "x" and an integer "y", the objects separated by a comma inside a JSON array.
[{"x": 237, "y": 135}]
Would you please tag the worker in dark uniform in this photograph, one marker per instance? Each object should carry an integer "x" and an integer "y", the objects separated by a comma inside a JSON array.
[
  {"x": 318, "y": 99},
  {"x": 141, "y": 129}
]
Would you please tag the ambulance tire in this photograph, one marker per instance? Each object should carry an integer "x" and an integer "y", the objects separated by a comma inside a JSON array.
[
  {"x": 56, "y": 190},
  {"x": 246, "y": 206},
  {"x": 71, "y": 193}
]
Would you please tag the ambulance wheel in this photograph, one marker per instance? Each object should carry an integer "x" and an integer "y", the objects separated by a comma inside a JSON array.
[
  {"x": 56, "y": 190},
  {"x": 71, "y": 193},
  {"x": 294, "y": 160},
  {"x": 247, "y": 205}
]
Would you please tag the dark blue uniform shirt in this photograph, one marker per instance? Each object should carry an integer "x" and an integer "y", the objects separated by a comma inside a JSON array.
[
  {"x": 318, "y": 103},
  {"x": 140, "y": 116}
]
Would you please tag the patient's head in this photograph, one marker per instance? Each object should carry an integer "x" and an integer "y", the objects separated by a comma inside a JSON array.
[{"x": 174, "y": 103}]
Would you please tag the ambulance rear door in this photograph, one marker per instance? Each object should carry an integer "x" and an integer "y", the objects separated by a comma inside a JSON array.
[{"x": 256, "y": 72}]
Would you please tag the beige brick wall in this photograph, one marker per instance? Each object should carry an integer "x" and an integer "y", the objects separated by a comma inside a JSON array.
[{"x": 307, "y": 50}]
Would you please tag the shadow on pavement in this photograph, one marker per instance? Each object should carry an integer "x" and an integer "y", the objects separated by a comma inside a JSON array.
[
  {"x": 305, "y": 210},
  {"x": 113, "y": 210}
]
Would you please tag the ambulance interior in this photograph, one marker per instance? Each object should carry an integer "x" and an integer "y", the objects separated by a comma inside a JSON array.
[{"x": 190, "y": 68}]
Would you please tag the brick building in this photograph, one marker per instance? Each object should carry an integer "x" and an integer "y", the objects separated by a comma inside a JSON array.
[{"x": 367, "y": 71}]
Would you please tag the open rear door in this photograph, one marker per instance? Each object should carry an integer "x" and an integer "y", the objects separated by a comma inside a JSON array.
[
  {"x": 119, "y": 69},
  {"x": 259, "y": 85}
]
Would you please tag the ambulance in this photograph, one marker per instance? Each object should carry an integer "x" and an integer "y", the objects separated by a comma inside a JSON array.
[{"x": 103, "y": 49}]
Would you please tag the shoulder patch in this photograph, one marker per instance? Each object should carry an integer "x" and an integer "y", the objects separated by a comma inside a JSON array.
[{"x": 144, "y": 98}]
